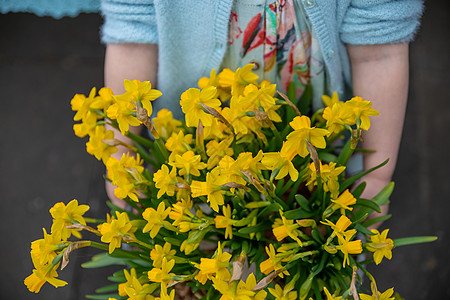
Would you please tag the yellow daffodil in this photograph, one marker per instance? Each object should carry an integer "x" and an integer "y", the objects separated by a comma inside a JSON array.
[
  {"x": 329, "y": 101},
  {"x": 337, "y": 117},
  {"x": 329, "y": 174},
  {"x": 42, "y": 274},
  {"x": 249, "y": 284},
  {"x": 283, "y": 294},
  {"x": 217, "y": 150},
  {"x": 165, "y": 124},
  {"x": 67, "y": 215},
  {"x": 281, "y": 162},
  {"x": 178, "y": 143},
  {"x": 159, "y": 253},
  {"x": 236, "y": 116},
  {"x": 217, "y": 266},
  {"x": 217, "y": 130},
  {"x": 162, "y": 274},
  {"x": 239, "y": 79},
  {"x": 165, "y": 295},
  {"x": 362, "y": 110},
  {"x": 213, "y": 80},
  {"x": 82, "y": 106},
  {"x": 188, "y": 163},
  {"x": 255, "y": 97},
  {"x": 190, "y": 104},
  {"x": 96, "y": 145},
  {"x": 87, "y": 127},
  {"x": 126, "y": 174},
  {"x": 344, "y": 201},
  {"x": 376, "y": 295},
  {"x": 233, "y": 290},
  {"x": 273, "y": 263},
  {"x": 105, "y": 100},
  {"x": 138, "y": 291},
  {"x": 211, "y": 188},
  {"x": 302, "y": 132},
  {"x": 165, "y": 181},
  {"x": 86, "y": 113},
  {"x": 329, "y": 296},
  {"x": 246, "y": 162},
  {"x": 113, "y": 232},
  {"x": 124, "y": 111},
  {"x": 143, "y": 92},
  {"x": 129, "y": 281},
  {"x": 339, "y": 228},
  {"x": 44, "y": 250},
  {"x": 285, "y": 229},
  {"x": 225, "y": 221},
  {"x": 155, "y": 218},
  {"x": 348, "y": 247},
  {"x": 380, "y": 245},
  {"x": 180, "y": 211}
]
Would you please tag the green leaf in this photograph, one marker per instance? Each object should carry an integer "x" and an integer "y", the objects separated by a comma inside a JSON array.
[
  {"x": 269, "y": 209},
  {"x": 302, "y": 201},
  {"x": 103, "y": 260},
  {"x": 369, "y": 204},
  {"x": 327, "y": 157},
  {"x": 345, "y": 153},
  {"x": 103, "y": 297},
  {"x": 247, "y": 220},
  {"x": 352, "y": 179},
  {"x": 107, "y": 289},
  {"x": 304, "y": 104},
  {"x": 360, "y": 218},
  {"x": 317, "y": 236},
  {"x": 414, "y": 240},
  {"x": 139, "y": 139},
  {"x": 173, "y": 241},
  {"x": 376, "y": 220},
  {"x": 260, "y": 227},
  {"x": 383, "y": 196},
  {"x": 144, "y": 155},
  {"x": 363, "y": 229},
  {"x": 118, "y": 276},
  {"x": 359, "y": 189},
  {"x": 298, "y": 213}
]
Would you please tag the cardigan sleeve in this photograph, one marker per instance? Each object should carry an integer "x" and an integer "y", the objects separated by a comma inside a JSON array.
[
  {"x": 128, "y": 21},
  {"x": 381, "y": 21}
]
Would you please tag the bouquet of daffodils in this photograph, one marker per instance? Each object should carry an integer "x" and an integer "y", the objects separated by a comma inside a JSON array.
[{"x": 249, "y": 198}]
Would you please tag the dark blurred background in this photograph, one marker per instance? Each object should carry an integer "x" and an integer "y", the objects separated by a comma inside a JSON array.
[{"x": 44, "y": 62}]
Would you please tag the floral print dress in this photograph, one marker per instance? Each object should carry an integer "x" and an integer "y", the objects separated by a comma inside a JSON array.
[{"x": 277, "y": 36}]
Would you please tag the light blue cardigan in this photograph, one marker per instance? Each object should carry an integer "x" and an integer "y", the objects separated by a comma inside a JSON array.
[{"x": 192, "y": 35}]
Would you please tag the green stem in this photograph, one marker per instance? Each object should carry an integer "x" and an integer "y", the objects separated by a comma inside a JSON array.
[
  {"x": 117, "y": 251},
  {"x": 162, "y": 148}
]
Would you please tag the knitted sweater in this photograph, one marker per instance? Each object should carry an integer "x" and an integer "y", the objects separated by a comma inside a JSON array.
[{"x": 192, "y": 35}]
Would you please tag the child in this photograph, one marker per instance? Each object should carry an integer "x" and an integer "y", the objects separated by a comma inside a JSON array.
[{"x": 329, "y": 45}]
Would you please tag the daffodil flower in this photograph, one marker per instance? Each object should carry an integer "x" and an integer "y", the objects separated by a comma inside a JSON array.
[
  {"x": 113, "y": 232},
  {"x": 162, "y": 274},
  {"x": 67, "y": 215},
  {"x": 225, "y": 221},
  {"x": 155, "y": 218},
  {"x": 380, "y": 245},
  {"x": 302, "y": 132}
]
